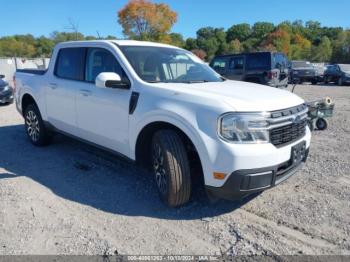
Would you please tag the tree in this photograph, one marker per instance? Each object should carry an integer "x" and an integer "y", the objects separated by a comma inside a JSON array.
[
  {"x": 279, "y": 39},
  {"x": 240, "y": 32},
  {"x": 300, "y": 47},
  {"x": 262, "y": 29},
  {"x": 143, "y": 20},
  {"x": 235, "y": 46},
  {"x": 58, "y": 37},
  {"x": 313, "y": 30},
  {"x": 212, "y": 41},
  {"x": 44, "y": 47},
  {"x": 341, "y": 50},
  {"x": 322, "y": 52},
  {"x": 177, "y": 39},
  {"x": 200, "y": 53},
  {"x": 191, "y": 43}
]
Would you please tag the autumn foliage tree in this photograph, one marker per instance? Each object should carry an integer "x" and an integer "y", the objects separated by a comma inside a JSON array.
[
  {"x": 279, "y": 39},
  {"x": 143, "y": 20},
  {"x": 200, "y": 53}
]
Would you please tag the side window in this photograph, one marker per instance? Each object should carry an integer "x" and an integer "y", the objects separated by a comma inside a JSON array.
[
  {"x": 99, "y": 60},
  {"x": 236, "y": 63},
  {"x": 70, "y": 63}
]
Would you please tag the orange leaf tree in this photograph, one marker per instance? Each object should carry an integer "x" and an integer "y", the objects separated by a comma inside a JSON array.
[{"x": 143, "y": 20}]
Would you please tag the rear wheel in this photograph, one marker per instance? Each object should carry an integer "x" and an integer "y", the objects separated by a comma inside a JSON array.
[
  {"x": 35, "y": 128},
  {"x": 171, "y": 168}
]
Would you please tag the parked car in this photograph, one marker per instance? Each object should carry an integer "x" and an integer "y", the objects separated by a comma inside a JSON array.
[
  {"x": 6, "y": 92},
  {"x": 303, "y": 71},
  {"x": 339, "y": 73},
  {"x": 266, "y": 68},
  {"x": 162, "y": 106}
]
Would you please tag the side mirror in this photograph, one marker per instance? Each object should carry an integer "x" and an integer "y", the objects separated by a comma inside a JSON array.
[
  {"x": 2, "y": 76},
  {"x": 111, "y": 80}
]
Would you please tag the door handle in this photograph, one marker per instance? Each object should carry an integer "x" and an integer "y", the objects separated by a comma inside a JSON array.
[
  {"x": 85, "y": 92},
  {"x": 53, "y": 85}
]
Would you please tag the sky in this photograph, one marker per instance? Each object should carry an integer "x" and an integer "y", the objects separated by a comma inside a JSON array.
[{"x": 41, "y": 17}]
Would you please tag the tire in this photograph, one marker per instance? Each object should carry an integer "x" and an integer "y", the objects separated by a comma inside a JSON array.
[
  {"x": 35, "y": 128},
  {"x": 314, "y": 82},
  {"x": 171, "y": 168},
  {"x": 326, "y": 80},
  {"x": 321, "y": 124},
  {"x": 340, "y": 81}
]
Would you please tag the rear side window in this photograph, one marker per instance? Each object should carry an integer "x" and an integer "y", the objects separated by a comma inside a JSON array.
[
  {"x": 258, "y": 61},
  {"x": 70, "y": 63},
  {"x": 236, "y": 63}
]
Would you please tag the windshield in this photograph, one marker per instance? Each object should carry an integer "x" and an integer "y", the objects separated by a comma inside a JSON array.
[
  {"x": 301, "y": 64},
  {"x": 345, "y": 67},
  {"x": 170, "y": 65}
]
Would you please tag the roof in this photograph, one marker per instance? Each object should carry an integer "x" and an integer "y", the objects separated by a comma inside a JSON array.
[
  {"x": 249, "y": 53},
  {"x": 120, "y": 43}
]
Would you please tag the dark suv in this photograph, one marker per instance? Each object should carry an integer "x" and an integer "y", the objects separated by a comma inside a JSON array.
[
  {"x": 267, "y": 68},
  {"x": 339, "y": 74},
  {"x": 303, "y": 71}
]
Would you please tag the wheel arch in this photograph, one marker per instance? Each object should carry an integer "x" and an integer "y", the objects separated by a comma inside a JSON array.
[
  {"x": 144, "y": 140},
  {"x": 26, "y": 100}
]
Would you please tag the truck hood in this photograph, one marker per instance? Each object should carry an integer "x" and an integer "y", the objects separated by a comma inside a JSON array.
[{"x": 241, "y": 96}]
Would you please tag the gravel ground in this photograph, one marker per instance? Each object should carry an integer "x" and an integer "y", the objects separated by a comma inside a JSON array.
[{"x": 69, "y": 198}]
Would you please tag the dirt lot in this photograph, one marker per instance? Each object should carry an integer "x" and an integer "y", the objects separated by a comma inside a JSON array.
[{"x": 69, "y": 198}]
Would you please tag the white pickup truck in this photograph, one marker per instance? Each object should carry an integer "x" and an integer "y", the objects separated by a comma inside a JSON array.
[{"x": 162, "y": 106}]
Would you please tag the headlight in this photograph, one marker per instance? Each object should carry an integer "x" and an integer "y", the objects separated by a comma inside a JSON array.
[
  {"x": 243, "y": 128},
  {"x": 295, "y": 72},
  {"x": 4, "y": 89}
]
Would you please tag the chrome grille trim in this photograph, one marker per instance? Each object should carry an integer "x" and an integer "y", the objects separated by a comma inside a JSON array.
[{"x": 284, "y": 129}]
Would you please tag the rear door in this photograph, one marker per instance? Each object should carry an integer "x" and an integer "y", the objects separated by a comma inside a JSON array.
[
  {"x": 62, "y": 89},
  {"x": 103, "y": 113},
  {"x": 235, "y": 69}
]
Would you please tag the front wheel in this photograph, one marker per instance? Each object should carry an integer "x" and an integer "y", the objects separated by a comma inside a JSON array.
[
  {"x": 340, "y": 81},
  {"x": 171, "y": 168},
  {"x": 34, "y": 125}
]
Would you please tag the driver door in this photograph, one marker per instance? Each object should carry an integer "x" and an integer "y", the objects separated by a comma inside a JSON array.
[{"x": 103, "y": 113}]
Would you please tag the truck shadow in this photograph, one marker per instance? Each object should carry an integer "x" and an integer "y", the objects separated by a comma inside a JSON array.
[{"x": 92, "y": 177}]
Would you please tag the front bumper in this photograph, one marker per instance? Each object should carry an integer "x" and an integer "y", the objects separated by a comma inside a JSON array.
[
  {"x": 242, "y": 183},
  {"x": 6, "y": 97},
  {"x": 305, "y": 78}
]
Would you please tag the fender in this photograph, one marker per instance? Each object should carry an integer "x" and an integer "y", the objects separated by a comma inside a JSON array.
[{"x": 175, "y": 120}]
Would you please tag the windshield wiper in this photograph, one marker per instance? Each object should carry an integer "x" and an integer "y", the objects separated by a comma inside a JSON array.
[
  {"x": 195, "y": 81},
  {"x": 157, "y": 81}
]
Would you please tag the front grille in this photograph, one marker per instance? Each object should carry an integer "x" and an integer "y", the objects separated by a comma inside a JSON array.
[{"x": 280, "y": 136}]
